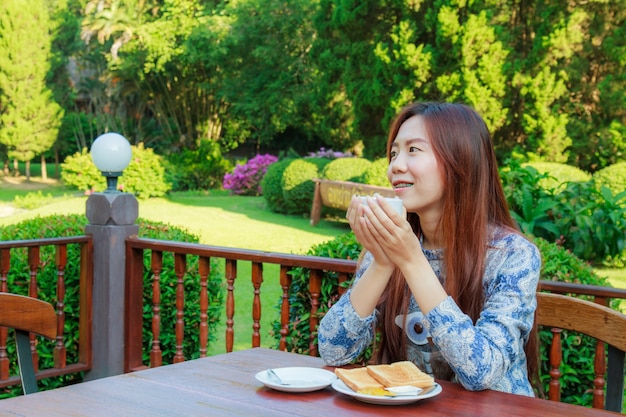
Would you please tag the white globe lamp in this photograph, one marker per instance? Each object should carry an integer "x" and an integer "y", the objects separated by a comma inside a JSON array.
[{"x": 111, "y": 153}]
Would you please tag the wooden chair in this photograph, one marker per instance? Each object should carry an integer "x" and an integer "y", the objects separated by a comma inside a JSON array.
[
  {"x": 600, "y": 322},
  {"x": 27, "y": 315}
]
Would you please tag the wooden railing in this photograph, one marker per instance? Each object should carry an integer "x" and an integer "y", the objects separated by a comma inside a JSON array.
[
  {"x": 134, "y": 289},
  {"x": 314, "y": 264},
  {"x": 13, "y": 281}
]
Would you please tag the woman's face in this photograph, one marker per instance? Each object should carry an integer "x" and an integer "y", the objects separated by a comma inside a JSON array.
[{"x": 414, "y": 172}]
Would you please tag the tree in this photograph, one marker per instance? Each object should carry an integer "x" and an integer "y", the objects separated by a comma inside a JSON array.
[
  {"x": 597, "y": 105},
  {"x": 366, "y": 66},
  {"x": 66, "y": 17},
  {"x": 270, "y": 72},
  {"x": 153, "y": 85},
  {"x": 107, "y": 19},
  {"x": 29, "y": 116},
  {"x": 115, "y": 103},
  {"x": 547, "y": 76}
]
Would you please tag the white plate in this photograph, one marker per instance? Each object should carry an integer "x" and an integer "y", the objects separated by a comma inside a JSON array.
[
  {"x": 339, "y": 386},
  {"x": 299, "y": 379}
]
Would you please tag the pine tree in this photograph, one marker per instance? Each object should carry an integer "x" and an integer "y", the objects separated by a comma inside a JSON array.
[{"x": 29, "y": 116}]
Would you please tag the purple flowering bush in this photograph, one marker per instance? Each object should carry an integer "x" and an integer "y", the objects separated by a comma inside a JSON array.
[
  {"x": 329, "y": 154},
  {"x": 246, "y": 178}
]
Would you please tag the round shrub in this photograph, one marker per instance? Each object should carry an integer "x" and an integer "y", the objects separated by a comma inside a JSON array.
[
  {"x": 346, "y": 169},
  {"x": 298, "y": 186},
  {"x": 558, "y": 174},
  {"x": 613, "y": 177},
  {"x": 144, "y": 176},
  {"x": 74, "y": 225},
  {"x": 271, "y": 186},
  {"x": 79, "y": 171},
  {"x": 376, "y": 173}
]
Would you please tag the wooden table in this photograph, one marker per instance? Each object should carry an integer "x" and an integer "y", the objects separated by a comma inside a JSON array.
[{"x": 224, "y": 385}]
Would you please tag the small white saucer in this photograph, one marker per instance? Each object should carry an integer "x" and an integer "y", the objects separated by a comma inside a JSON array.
[{"x": 297, "y": 379}]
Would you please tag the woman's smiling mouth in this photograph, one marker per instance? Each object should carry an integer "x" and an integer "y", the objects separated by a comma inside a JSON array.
[{"x": 402, "y": 185}]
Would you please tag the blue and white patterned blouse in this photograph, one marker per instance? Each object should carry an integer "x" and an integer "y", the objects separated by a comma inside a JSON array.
[{"x": 445, "y": 342}]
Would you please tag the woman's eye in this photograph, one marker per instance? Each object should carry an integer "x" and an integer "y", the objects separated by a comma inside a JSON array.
[
  {"x": 414, "y": 149},
  {"x": 393, "y": 154}
]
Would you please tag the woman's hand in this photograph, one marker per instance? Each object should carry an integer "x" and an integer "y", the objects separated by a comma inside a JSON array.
[
  {"x": 390, "y": 239},
  {"x": 395, "y": 238},
  {"x": 389, "y": 232},
  {"x": 355, "y": 216},
  {"x": 367, "y": 291}
]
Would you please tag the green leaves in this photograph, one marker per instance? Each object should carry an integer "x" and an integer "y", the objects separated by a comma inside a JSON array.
[
  {"x": 592, "y": 222},
  {"x": 586, "y": 218},
  {"x": 29, "y": 115},
  {"x": 547, "y": 77},
  {"x": 534, "y": 218}
]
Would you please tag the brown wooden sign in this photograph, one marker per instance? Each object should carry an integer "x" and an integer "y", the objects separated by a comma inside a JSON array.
[{"x": 337, "y": 194}]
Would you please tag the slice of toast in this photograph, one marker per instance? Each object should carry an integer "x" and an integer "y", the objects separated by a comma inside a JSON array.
[
  {"x": 358, "y": 379},
  {"x": 400, "y": 373}
]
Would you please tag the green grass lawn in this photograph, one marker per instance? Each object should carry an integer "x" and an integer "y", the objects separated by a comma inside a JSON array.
[
  {"x": 223, "y": 220},
  {"x": 616, "y": 276}
]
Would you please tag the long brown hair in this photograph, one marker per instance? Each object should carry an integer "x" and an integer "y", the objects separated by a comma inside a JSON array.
[{"x": 473, "y": 200}]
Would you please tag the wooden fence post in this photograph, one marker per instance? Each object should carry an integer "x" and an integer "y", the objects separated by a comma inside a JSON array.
[{"x": 111, "y": 220}]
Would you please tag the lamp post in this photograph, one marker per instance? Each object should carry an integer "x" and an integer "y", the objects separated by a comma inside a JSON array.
[{"x": 112, "y": 215}]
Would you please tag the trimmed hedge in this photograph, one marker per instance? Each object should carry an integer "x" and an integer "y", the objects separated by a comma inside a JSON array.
[
  {"x": 346, "y": 169},
  {"x": 272, "y": 188},
  {"x": 613, "y": 177},
  {"x": 376, "y": 173},
  {"x": 298, "y": 186},
  {"x": 288, "y": 185}
]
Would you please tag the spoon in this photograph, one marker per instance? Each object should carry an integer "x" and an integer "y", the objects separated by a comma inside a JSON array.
[{"x": 276, "y": 377}]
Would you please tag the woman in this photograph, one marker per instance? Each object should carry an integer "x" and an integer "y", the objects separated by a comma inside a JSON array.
[{"x": 452, "y": 286}]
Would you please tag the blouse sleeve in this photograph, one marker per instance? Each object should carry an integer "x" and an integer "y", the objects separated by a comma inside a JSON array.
[
  {"x": 481, "y": 354},
  {"x": 342, "y": 333}
]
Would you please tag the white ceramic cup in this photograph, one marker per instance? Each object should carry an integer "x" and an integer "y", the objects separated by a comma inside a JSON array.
[{"x": 395, "y": 202}]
